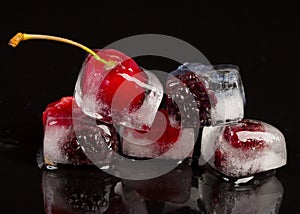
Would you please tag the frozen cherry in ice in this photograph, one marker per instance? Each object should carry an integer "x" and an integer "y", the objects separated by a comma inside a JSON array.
[
  {"x": 243, "y": 149},
  {"x": 160, "y": 140},
  {"x": 124, "y": 94},
  {"x": 111, "y": 79},
  {"x": 111, "y": 87},
  {"x": 64, "y": 145}
]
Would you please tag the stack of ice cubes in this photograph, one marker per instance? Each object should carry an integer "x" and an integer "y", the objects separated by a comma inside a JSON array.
[{"x": 197, "y": 96}]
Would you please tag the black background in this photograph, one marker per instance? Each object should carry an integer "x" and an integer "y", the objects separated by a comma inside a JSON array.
[{"x": 261, "y": 38}]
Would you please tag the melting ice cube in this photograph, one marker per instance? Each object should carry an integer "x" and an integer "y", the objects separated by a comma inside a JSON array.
[
  {"x": 243, "y": 149},
  {"x": 199, "y": 95}
]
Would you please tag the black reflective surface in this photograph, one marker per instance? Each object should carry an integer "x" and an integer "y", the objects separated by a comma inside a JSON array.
[{"x": 261, "y": 38}]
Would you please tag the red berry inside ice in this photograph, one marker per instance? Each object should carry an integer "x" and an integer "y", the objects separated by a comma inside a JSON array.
[
  {"x": 232, "y": 132},
  {"x": 58, "y": 117},
  {"x": 122, "y": 76},
  {"x": 168, "y": 134},
  {"x": 192, "y": 109},
  {"x": 61, "y": 110},
  {"x": 161, "y": 137}
]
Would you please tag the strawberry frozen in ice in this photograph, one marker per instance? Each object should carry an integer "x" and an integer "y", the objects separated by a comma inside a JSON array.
[
  {"x": 111, "y": 87},
  {"x": 64, "y": 145},
  {"x": 243, "y": 149},
  {"x": 165, "y": 139}
]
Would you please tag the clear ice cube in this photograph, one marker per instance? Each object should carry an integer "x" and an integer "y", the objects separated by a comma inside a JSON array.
[
  {"x": 199, "y": 95},
  {"x": 173, "y": 187},
  {"x": 65, "y": 145},
  {"x": 92, "y": 104},
  {"x": 164, "y": 140},
  {"x": 243, "y": 149},
  {"x": 221, "y": 197}
]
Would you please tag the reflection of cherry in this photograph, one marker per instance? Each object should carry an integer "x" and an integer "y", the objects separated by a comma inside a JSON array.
[{"x": 116, "y": 68}]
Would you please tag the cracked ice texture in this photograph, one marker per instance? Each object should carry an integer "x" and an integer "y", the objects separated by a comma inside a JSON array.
[
  {"x": 93, "y": 105},
  {"x": 65, "y": 145},
  {"x": 199, "y": 95},
  {"x": 243, "y": 149}
]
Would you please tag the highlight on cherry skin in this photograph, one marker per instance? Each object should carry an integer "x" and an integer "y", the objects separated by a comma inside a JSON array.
[{"x": 111, "y": 87}]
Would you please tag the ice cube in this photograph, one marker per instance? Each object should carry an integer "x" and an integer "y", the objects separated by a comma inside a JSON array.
[
  {"x": 65, "y": 145},
  {"x": 243, "y": 149},
  {"x": 199, "y": 95},
  {"x": 174, "y": 187},
  {"x": 222, "y": 197},
  {"x": 80, "y": 191},
  {"x": 164, "y": 140},
  {"x": 120, "y": 95}
]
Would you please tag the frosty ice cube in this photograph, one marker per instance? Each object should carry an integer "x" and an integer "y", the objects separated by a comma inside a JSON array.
[
  {"x": 125, "y": 94},
  {"x": 64, "y": 145},
  {"x": 174, "y": 187},
  {"x": 199, "y": 95},
  {"x": 80, "y": 191},
  {"x": 243, "y": 149},
  {"x": 222, "y": 197},
  {"x": 166, "y": 140}
]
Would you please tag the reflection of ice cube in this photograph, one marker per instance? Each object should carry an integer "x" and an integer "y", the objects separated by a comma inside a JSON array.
[
  {"x": 222, "y": 197},
  {"x": 243, "y": 149},
  {"x": 173, "y": 187},
  {"x": 80, "y": 191},
  {"x": 201, "y": 95},
  {"x": 140, "y": 118},
  {"x": 64, "y": 145}
]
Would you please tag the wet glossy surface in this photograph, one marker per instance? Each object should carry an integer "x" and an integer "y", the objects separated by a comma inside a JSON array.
[{"x": 261, "y": 38}]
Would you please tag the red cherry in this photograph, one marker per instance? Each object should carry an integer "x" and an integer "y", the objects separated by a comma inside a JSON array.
[
  {"x": 114, "y": 66},
  {"x": 61, "y": 110},
  {"x": 230, "y": 134},
  {"x": 132, "y": 95},
  {"x": 162, "y": 133}
]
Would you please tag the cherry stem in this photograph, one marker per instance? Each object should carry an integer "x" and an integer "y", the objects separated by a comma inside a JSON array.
[{"x": 23, "y": 37}]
